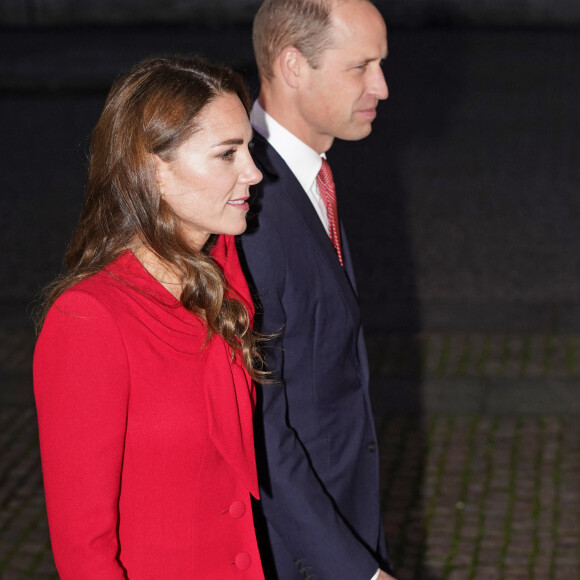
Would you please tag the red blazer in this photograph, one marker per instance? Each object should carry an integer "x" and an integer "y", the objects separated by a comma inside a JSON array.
[{"x": 146, "y": 437}]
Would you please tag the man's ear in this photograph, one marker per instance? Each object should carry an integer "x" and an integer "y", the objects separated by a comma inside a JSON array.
[{"x": 292, "y": 63}]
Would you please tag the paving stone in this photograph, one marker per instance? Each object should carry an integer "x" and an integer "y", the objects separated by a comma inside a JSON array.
[
  {"x": 512, "y": 366},
  {"x": 535, "y": 366},
  {"x": 434, "y": 344},
  {"x": 459, "y": 574},
  {"x": 488, "y": 573}
]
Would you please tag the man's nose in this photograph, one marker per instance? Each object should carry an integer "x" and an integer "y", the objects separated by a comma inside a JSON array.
[{"x": 379, "y": 86}]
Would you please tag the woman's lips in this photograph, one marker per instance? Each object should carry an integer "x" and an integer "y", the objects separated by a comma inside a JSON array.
[{"x": 240, "y": 203}]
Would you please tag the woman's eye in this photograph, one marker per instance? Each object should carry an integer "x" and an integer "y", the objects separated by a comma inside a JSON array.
[{"x": 228, "y": 155}]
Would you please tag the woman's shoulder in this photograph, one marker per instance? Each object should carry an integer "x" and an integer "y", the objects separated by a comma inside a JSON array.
[
  {"x": 126, "y": 295},
  {"x": 89, "y": 297},
  {"x": 107, "y": 289}
]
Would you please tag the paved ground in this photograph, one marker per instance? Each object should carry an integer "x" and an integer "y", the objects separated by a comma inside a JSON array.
[
  {"x": 480, "y": 456},
  {"x": 483, "y": 497},
  {"x": 464, "y": 497}
]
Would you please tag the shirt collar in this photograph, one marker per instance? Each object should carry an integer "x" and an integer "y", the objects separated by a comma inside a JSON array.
[{"x": 303, "y": 161}]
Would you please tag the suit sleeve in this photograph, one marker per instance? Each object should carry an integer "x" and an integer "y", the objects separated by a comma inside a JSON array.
[
  {"x": 294, "y": 501},
  {"x": 81, "y": 385}
]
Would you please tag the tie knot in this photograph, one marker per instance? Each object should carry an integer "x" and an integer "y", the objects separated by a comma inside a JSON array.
[{"x": 325, "y": 180}]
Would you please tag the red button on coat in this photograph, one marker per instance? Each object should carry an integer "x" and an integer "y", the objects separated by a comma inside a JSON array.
[
  {"x": 243, "y": 561},
  {"x": 237, "y": 509}
]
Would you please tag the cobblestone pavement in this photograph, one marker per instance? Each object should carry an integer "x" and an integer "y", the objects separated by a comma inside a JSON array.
[
  {"x": 466, "y": 495},
  {"x": 462, "y": 355},
  {"x": 482, "y": 497}
]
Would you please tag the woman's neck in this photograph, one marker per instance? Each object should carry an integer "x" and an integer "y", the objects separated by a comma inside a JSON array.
[{"x": 165, "y": 274}]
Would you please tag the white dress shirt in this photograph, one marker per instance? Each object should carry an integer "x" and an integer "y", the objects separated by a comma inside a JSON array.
[{"x": 304, "y": 162}]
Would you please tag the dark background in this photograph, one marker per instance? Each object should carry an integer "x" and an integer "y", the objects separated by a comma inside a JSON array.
[
  {"x": 463, "y": 215},
  {"x": 462, "y": 206}
]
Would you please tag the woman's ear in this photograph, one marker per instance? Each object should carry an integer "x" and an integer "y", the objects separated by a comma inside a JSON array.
[{"x": 159, "y": 169}]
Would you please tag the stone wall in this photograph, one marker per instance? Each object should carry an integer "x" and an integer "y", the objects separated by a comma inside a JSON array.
[{"x": 398, "y": 12}]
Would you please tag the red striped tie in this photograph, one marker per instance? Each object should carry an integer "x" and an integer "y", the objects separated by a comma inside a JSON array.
[{"x": 328, "y": 193}]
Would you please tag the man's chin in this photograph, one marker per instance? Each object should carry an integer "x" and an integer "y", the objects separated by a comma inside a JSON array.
[{"x": 358, "y": 132}]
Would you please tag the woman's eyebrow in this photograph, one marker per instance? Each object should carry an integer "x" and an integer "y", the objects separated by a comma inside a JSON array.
[{"x": 229, "y": 142}]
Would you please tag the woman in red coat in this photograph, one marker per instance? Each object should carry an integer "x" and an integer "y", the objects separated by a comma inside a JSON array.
[{"x": 143, "y": 368}]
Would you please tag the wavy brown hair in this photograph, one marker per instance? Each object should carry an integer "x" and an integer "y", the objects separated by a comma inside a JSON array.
[{"x": 154, "y": 108}]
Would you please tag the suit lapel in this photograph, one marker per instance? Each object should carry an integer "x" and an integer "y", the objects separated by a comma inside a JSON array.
[
  {"x": 281, "y": 177},
  {"x": 348, "y": 267}
]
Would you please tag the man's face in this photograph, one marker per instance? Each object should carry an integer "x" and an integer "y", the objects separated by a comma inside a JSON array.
[{"x": 340, "y": 96}]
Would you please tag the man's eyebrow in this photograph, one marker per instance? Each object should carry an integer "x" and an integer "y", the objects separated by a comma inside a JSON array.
[
  {"x": 229, "y": 142},
  {"x": 366, "y": 61}
]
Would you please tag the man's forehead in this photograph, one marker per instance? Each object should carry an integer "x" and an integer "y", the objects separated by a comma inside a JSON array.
[
  {"x": 354, "y": 19},
  {"x": 362, "y": 35}
]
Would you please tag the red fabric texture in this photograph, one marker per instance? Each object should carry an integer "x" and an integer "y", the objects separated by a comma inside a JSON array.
[{"x": 146, "y": 437}]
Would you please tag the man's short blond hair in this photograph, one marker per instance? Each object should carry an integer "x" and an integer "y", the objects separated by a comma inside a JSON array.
[{"x": 304, "y": 24}]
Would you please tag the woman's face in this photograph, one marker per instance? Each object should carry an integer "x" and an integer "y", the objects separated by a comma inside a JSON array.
[{"x": 207, "y": 181}]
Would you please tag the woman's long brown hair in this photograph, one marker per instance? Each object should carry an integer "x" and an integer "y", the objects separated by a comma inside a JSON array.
[{"x": 154, "y": 108}]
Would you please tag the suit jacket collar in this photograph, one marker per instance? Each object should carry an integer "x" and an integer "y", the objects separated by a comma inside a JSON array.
[{"x": 303, "y": 161}]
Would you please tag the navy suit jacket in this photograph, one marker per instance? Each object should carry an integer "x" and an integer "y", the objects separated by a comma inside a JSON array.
[{"x": 316, "y": 444}]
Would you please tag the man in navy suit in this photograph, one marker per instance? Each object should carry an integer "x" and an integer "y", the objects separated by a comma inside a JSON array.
[{"x": 320, "y": 71}]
